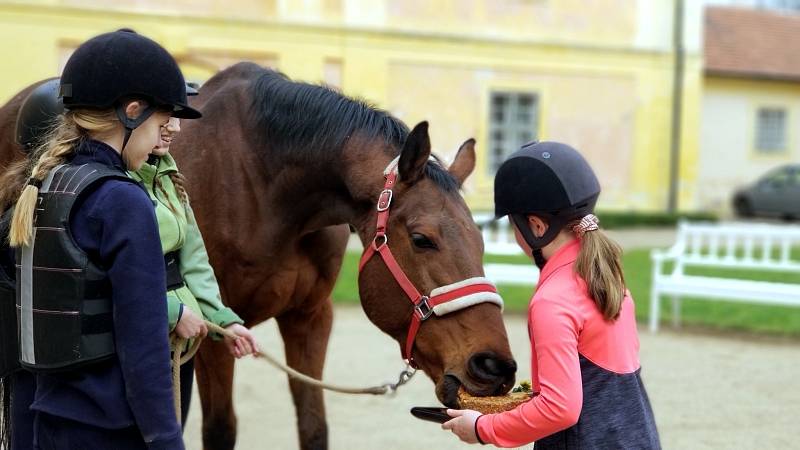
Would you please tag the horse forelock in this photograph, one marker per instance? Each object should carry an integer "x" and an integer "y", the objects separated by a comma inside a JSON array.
[{"x": 436, "y": 172}]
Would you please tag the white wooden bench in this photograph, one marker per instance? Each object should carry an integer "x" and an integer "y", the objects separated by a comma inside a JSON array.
[
  {"x": 760, "y": 247},
  {"x": 498, "y": 239}
]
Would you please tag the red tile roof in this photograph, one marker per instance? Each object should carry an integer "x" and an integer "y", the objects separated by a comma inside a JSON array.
[{"x": 752, "y": 43}]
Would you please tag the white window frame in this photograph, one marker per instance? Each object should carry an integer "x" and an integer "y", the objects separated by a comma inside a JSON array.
[
  {"x": 771, "y": 133},
  {"x": 511, "y": 130}
]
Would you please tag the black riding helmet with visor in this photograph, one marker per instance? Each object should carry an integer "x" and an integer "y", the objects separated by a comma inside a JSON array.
[
  {"x": 549, "y": 180},
  {"x": 122, "y": 65},
  {"x": 40, "y": 109}
]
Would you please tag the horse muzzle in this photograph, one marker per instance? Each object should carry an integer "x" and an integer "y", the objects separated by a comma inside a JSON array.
[{"x": 484, "y": 374}]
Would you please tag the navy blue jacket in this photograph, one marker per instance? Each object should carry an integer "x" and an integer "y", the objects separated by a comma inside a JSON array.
[{"x": 116, "y": 225}]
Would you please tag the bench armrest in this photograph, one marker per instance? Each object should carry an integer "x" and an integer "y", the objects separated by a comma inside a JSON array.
[{"x": 659, "y": 255}]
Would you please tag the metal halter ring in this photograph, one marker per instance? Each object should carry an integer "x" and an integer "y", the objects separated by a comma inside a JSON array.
[{"x": 384, "y": 242}]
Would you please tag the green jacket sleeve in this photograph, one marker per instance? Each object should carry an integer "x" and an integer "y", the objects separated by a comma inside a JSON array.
[
  {"x": 199, "y": 276},
  {"x": 173, "y": 311}
]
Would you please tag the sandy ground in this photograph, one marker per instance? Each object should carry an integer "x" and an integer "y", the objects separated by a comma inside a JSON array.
[{"x": 708, "y": 392}]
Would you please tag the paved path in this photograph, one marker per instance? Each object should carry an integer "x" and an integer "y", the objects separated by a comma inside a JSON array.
[
  {"x": 636, "y": 238},
  {"x": 707, "y": 392}
]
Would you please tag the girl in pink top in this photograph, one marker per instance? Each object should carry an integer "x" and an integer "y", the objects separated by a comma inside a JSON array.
[{"x": 581, "y": 321}]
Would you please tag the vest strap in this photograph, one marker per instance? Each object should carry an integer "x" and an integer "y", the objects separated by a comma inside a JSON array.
[{"x": 172, "y": 263}]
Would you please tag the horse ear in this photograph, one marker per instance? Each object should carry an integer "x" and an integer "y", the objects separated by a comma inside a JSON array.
[
  {"x": 464, "y": 163},
  {"x": 415, "y": 154}
]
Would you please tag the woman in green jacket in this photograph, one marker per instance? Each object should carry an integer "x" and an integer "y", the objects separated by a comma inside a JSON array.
[{"x": 192, "y": 291}]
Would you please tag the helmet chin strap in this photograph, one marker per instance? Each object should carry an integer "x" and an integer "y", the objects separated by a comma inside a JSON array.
[
  {"x": 555, "y": 224},
  {"x": 131, "y": 124},
  {"x": 538, "y": 258}
]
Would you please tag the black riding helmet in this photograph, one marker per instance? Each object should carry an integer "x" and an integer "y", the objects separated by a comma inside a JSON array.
[
  {"x": 40, "y": 109},
  {"x": 37, "y": 113},
  {"x": 547, "y": 179},
  {"x": 122, "y": 65}
]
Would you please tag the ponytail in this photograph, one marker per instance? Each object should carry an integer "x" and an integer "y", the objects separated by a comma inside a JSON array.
[{"x": 599, "y": 265}]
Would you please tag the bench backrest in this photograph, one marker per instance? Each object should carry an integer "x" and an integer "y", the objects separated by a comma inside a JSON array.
[{"x": 737, "y": 245}]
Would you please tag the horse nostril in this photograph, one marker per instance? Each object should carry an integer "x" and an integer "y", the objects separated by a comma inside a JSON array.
[{"x": 487, "y": 366}]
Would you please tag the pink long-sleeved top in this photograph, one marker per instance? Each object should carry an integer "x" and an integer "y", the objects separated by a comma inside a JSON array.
[{"x": 585, "y": 372}]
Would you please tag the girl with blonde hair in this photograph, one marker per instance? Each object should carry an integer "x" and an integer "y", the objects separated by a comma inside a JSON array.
[{"x": 91, "y": 278}]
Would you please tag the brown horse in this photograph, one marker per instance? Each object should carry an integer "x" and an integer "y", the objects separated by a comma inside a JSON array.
[{"x": 277, "y": 170}]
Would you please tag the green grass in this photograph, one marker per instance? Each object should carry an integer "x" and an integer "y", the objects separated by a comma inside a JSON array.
[
  {"x": 628, "y": 219},
  {"x": 713, "y": 314},
  {"x": 647, "y": 219}
]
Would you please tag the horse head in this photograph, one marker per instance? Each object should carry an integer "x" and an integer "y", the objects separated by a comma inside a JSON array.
[{"x": 429, "y": 292}]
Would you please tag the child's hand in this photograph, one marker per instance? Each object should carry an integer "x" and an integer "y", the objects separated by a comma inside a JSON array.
[
  {"x": 244, "y": 344},
  {"x": 463, "y": 424},
  {"x": 191, "y": 325}
]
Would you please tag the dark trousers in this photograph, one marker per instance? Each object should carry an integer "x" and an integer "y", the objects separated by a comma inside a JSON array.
[
  {"x": 187, "y": 379},
  {"x": 22, "y": 418},
  {"x": 23, "y": 388},
  {"x": 56, "y": 433}
]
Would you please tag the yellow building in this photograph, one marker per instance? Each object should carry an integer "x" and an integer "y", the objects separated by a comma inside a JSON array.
[{"x": 597, "y": 74}]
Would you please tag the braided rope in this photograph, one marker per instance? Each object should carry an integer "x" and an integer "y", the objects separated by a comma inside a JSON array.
[{"x": 178, "y": 359}]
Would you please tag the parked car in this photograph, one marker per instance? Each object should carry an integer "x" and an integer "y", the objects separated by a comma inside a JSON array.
[{"x": 776, "y": 194}]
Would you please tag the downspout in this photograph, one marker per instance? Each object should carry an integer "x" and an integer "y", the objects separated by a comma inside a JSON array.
[{"x": 677, "y": 106}]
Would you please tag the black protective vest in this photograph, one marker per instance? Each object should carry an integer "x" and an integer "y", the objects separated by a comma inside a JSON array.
[
  {"x": 63, "y": 298},
  {"x": 9, "y": 350}
]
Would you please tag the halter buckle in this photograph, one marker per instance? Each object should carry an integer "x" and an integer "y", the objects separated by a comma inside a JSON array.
[
  {"x": 384, "y": 200},
  {"x": 422, "y": 309},
  {"x": 379, "y": 241}
]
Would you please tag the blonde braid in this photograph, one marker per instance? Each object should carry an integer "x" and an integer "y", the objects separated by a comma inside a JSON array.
[
  {"x": 59, "y": 144},
  {"x": 180, "y": 186},
  {"x": 160, "y": 186}
]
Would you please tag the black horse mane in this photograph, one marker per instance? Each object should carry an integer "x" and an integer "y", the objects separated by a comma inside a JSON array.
[{"x": 302, "y": 120}]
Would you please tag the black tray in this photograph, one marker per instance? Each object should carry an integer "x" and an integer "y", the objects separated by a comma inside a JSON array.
[{"x": 433, "y": 414}]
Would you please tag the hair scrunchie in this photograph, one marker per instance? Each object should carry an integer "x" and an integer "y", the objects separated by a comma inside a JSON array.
[{"x": 587, "y": 223}]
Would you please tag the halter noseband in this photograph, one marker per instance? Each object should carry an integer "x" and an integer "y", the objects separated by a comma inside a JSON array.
[{"x": 442, "y": 300}]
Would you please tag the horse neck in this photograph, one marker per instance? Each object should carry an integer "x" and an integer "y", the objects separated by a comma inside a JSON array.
[
  {"x": 339, "y": 189},
  {"x": 364, "y": 164}
]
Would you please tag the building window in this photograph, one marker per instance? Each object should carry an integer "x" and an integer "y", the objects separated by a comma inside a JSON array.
[
  {"x": 513, "y": 119},
  {"x": 332, "y": 72},
  {"x": 65, "y": 50},
  {"x": 771, "y": 130}
]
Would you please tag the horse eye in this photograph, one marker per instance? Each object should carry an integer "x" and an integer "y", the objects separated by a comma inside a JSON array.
[{"x": 422, "y": 241}]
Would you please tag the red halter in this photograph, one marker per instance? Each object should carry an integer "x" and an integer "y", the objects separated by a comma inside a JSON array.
[{"x": 442, "y": 300}]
